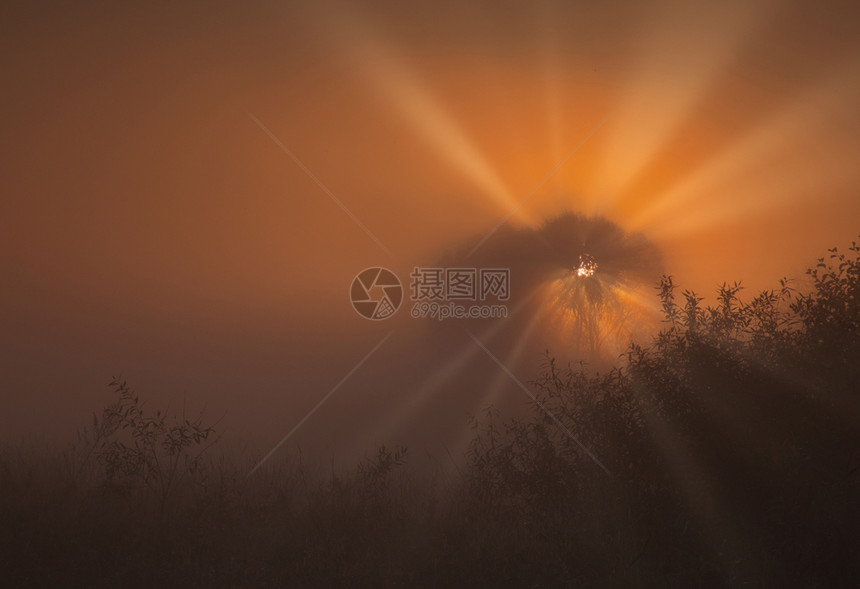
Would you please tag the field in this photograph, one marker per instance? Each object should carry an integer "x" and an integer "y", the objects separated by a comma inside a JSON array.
[{"x": 722, "y": 453}]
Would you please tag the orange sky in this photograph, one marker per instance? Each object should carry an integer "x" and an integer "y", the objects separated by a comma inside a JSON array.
[{"x": 149, "y": 227}]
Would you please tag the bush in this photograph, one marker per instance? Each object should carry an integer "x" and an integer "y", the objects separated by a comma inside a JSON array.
[{"x": 723, "y": 453}]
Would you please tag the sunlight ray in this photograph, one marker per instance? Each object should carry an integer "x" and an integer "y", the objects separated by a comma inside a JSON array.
[
  {"x": 401, "y": 415},
  {"x": 550, "y": 69},
  {"x": 670, "y": 77},
  {"x": 399, "y": 84},
  {"x": 688, "y": 473},
  {"x": 603, "y": 327},
  {"x": 746, "y": 180},
  {"x": 499, "y": 383}
]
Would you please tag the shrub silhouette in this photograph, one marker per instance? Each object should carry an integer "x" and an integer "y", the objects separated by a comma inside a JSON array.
[
  {"x": 731, "y": 437},
  {"x": 137, "y": 449}
]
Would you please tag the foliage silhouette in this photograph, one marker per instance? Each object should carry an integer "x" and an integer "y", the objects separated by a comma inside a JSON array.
[
  {"x": 731, "y": 438},
  {"x": 140, "y": 449}
]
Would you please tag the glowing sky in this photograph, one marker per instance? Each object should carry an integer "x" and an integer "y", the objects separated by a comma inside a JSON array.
[{"x": 149, "y": 227}]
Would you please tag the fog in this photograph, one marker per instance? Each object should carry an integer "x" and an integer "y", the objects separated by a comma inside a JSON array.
[{"x": 151, "y": 229}]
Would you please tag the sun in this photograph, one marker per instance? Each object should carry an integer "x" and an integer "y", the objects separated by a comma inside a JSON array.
[{"x": 587, "y": 266}]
